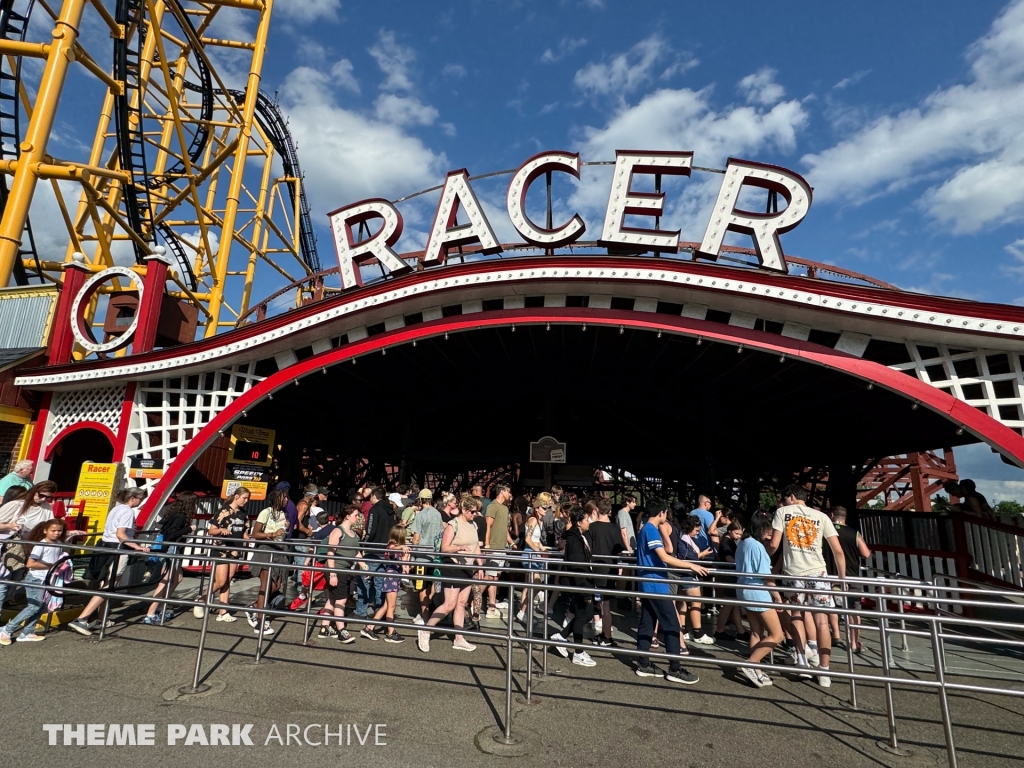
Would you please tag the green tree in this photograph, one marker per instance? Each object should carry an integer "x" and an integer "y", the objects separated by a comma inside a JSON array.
[{"x": 1009, "y": 508}]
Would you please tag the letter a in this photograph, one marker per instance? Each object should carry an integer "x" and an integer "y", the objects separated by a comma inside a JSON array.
[{"x": 446, "y": 233}]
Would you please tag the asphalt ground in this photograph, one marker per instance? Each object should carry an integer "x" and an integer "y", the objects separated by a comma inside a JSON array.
[{"x": 443, "y": 708}]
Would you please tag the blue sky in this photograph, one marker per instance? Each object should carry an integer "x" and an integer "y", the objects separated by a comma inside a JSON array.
[{"x": 906, "y": 117}]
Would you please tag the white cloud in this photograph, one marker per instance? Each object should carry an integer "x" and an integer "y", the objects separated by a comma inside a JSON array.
[
  {"x": 564, "y": 48},
  {"x": 965, "y": 140},
  {"x": 394, "y": 61},
  {"x": 761, "y": 88},
  {"x": 853, "y": 79},
  {"x": 674, "y": 119},
  {"x": 341, "y": 71},
  {"x": 356, "y": 156},
  {"x": 453, "y": 70},
  {"x": 625, "y": 72},
  {"x": 404, "y": 110},
  {"x": 309, "y": 10}
]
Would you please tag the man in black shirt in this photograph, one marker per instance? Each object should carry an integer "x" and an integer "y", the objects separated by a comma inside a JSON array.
[
  {"x": 854, "y": 548},
  {"x": 605, "y": 542},
  {"x": 379, "y": 522}
]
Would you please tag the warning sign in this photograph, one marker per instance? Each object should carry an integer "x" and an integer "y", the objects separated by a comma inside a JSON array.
[
  {"x": 96, "y": 485},
  {"x": 257, "y": 490}
]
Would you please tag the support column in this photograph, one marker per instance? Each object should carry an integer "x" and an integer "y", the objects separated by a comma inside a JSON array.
[
  {"x": 37, "y": 135},
  {"x": 842, "y": 488},
  {"x": 151, "y": 301},
  {"x": 62, "y": 342}
]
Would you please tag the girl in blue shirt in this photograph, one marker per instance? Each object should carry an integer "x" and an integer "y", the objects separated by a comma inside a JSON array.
[{"x": 765, "y": 628}]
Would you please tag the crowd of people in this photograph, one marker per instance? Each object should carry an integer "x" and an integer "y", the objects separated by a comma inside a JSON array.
[
  {"x": 553, "y": 552},
  {"x": 447, "y": 555}
]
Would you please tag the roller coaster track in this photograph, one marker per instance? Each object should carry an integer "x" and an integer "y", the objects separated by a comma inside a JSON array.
[
  {"x": 130, "y": 130},
  {"x": 275, "y": 127},
  {"x": 14, "y": 16}
]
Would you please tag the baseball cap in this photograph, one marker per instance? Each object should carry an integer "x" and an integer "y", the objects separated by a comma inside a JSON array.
[
  {"x": 396, "y": 497},
  {"x": 322, "y": 490},
  {"x": 426, "y": 494}
]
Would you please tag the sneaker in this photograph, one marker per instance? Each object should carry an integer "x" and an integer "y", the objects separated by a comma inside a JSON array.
[
  {"x": 198, "y": 611},
  {"x": 493, "y": 613},
  {"x": 583, "y": 659},
  {"x": 297, "y": 604},
  {"x": 31, "y": 637},
  {"x": 823, "y": 680},
  {"x": 604, "y": 642},
  {"x": 463, "y": 645},
  {"x": 423, "y": 641},
  {"x": 812, "y": 658},
  {"x": 5, "y": 639},
  {"x": 686, "y": 637},
  {"x": 501, "y": 605},
  {"x": 168, "y": 615},
  {"x": 752, "y": 675},
  {"x": 704, "y": 640},
  {"x": 80, "y": 627},
  {"x": 683, "y": 650},
  {"x": 521, "y": 617},
  {"x": 151, "y": 619},
  {"x": 655, "y": 644},
  {"x": 682, "y": 677},
  {"x": 97, "y": 624},
  {"x": 226, "y": 617},
  {"x": 369, "y": 634},
  {"x": 539, "y": 599},
  {"x": 598, "y": 626},
  {"x": 763, "y": 677},
  {"x": 394, "y": 637},
  {"x": 252, "y": 617},
  {"x": 562, "y": 650},
  {"x": 417, "y": 619},
  {"x": 327, "y": 632},
  {"x": 344, "y": 637},
  {"x": 649, "y": 671},
  {"x": 267, "y": 629},
  {"x": 803, "y": 675}
]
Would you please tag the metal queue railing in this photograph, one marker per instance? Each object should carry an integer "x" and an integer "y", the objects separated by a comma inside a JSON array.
[{"x": 937, "y": 617}]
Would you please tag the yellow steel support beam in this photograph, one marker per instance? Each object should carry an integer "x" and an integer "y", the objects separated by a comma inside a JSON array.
[
  {"x": 37, "y": 134},
  {"x": 238, "y": 169}
]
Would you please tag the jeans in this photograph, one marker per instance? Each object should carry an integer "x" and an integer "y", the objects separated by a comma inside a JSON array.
[
  {"x": 370, "y": 589},
  {"x": 30, "y": 613},
  {"x": 663, "y": 611}
]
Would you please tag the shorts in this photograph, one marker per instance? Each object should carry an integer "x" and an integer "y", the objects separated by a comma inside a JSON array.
[
  {"x": 264, "y": 557},
  {"x": 102, "y": 564},
  {"x": 491, "y": 565},
  {"x": 458, "y": 573},
  {"x": 533, "y": 559},
  {"x": 345, "y": 588},
  {"x": 754, "y": 595},
  {"x": 821, "y": 597}
]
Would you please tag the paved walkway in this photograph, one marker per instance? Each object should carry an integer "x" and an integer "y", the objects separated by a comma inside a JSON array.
[{"x": 442, "y": 709}]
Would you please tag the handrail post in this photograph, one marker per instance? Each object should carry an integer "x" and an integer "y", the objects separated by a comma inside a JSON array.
[
  {"x": 196, "y": 687},
  {"x": 892, "y": 746},
  {"x": 547, "y": 610},
  {"x": 529, "y": 635},
  {"x": 940, "y": 677},
  {"x": 263, "y": 616},
  {"x": 849, "y": 650},
  {"x": 506, "y": 736},
  {"x": 904, "y": 646}
]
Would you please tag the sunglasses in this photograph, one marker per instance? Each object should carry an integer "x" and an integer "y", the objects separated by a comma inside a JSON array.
[{"x": 45, "y": 496}]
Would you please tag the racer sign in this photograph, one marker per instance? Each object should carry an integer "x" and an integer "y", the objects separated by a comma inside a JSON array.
[{"x": 623, "y": 200}]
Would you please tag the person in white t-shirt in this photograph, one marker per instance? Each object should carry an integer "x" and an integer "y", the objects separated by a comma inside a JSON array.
[
  {"x": 801, "y": 531},
  {"x": 118, "y": 532},
  {"x": 44, "y": 554}
]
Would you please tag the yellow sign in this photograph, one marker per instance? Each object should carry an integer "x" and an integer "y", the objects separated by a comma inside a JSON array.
[
  {"x": 96, "y": 485},
  {"x": 257, "y": 490},
  {"x": 252, "y": 445}
]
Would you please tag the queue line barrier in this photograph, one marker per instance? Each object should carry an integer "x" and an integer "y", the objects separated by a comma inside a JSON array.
[{"x": 941, "y": 615}]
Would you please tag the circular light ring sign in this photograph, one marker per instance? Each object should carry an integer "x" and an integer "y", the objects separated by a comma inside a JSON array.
[{"x": 85, "y": 296}]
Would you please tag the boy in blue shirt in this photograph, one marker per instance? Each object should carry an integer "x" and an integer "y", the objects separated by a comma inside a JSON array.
[{"x": 650, "y": 554}]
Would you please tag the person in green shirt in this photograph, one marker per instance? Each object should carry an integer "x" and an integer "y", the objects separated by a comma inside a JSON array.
[
  {"x": 498, "y": 538},
  {"x": 20, "y": 477}
]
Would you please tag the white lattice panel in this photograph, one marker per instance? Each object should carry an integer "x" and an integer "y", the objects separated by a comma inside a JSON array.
[
  {"x": 168, "y": 413},
  {"x": 102, "y": 406},
  {"x": 990, "y": 380}
]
